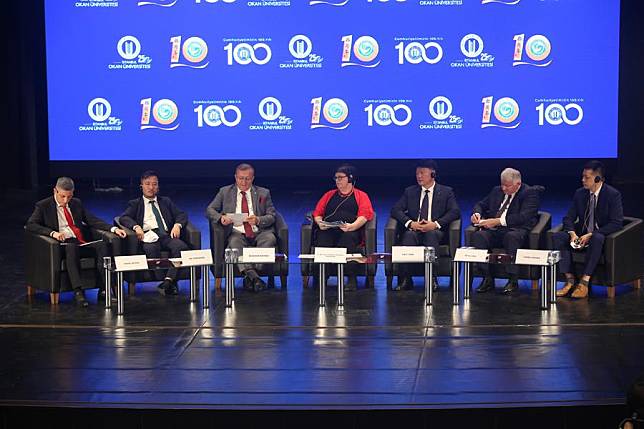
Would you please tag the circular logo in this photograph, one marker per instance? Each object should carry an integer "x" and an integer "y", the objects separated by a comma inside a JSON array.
[
  {"x": 99, "y": 109},
  {"x": 165, "y": 111},
  {"x": 195, "y": 49},
  {"x": 555, "y": 114},
  {"x": 270, "y": 108},
  {"x": 366, "y": 48},
  {"x": 128, "y": 47},
  {"x": 300, "y": 46},
  {"x": 440, "y": 108},
  {"x": 471, "y": 45},
  {"x": 214, "y": 115},
  {"x": 414, "y": 52},
  {"x": 383, "y": 114},
  {"x": 506, "y": 110},
  {"x": 335, "y": 110},
  {"x": 243, "y": 53},
  {"x": 538, "y": 47}
]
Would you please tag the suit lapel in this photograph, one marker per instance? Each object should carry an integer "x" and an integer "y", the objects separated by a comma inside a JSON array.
[
  {"x": 435, "y": 199},
  {"x": 52, "y": 213},
  {"x": 255, "y": 199}
]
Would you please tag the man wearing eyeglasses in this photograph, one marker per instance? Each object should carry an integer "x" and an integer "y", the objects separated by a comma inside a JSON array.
[{"x": 247, "y": 214}]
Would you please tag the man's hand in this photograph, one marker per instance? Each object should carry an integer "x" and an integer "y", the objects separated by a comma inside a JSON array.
[
  {"x": 139, "y": 232},
  {"x": 476, "y": 218},
  {"x": 225, "y": 220},
  {"x": 584, "y": 239},
  {"x": 489, "y": 223},
  {"x": 252, "y": 219},
  {"x": 58, "y": 236},
  {"x": 120, "y": 232},
  {"x": 176, "y": 231},
  {"x": 573, "y": 236}
]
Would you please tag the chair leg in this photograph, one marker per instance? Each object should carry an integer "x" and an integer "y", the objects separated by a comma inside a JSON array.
[
  {"x": 535, "y": 284},
  {"x": 271, "y": 282},
  {"x": 369, "y": 282},
  {"x": 283, "y": 281},
  {"x": 390, "y": 282},
  {"x": 637, "y": 283},
  {"x": 30, "y": 290},
  {"x": 53, "y": 298},
  {"x": 217, "y": 283},
  {"x": 611, "y": 291},
  {"x": 305, "y": 281},
  {"x": 131, "y": 288}
]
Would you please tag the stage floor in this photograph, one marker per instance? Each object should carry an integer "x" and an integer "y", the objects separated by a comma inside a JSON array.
[{"x": 279, "y": 350}]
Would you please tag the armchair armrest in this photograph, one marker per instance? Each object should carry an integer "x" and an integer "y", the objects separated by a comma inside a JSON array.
[
  {"x": 623, "y": 250},
  {"x": 390, "y": 234},
  {"x": 281, "y": 230},
  {"x": 371, "y": 235},
  {"x": 114, "y": 242},
  {"x": 306, "y": 235},
  {"x": 192, "y": 236},
  {"x": 454, "y": 236},
  {"x": 131, "y": 242},
  {"x": 550, "y": 233},
  {"x": 537, "y": 234},
  {"x": 42, "y": 262}
]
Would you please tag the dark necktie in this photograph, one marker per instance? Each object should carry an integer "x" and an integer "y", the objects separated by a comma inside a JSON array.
[
  {"x": 424, "y": 206},
  {"x": 72, "y": 225},
  {"x": 248, "y": 229},
  {"x": 591, "y": 213},
  {"x": 504, "y": 206},
  {"x": 157, "y": 216}
]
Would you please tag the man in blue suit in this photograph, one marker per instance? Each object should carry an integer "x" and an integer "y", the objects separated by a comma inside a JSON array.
[
  {"x": 505, "y": 218},
  {"x": 157, "y": 222},
  {"x": 596, "y": 212},
  {"x": 424, "y": 211}
]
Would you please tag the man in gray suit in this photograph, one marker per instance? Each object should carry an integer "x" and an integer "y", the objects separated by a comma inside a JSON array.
[{"x": 257, "y": 230}]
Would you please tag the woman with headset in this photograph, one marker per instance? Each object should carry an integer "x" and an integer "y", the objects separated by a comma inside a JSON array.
[{"x": 340, "y": 216}]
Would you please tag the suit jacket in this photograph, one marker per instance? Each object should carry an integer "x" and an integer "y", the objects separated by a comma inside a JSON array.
[
  {"x": 522, "y": 212},
  {"x": 135, "y": 212},
  {"x": 226, "y": 202},
  {"x": 44, "y": 219},
  {"x": 609, "y": 213},
  {"x": 444, "y": 206}
]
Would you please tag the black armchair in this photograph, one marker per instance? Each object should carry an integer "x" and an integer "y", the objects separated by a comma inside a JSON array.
[
  {"x": 46, "y": 268},
  {"x": 190, "y": 235},
  {"x": 306, "y": 247},
  {"x": 621, "y": 261},
  {"x": 218, "y": 246},
  {"x": 445, "y": 252},
  {"x": 536, "y": 240}
]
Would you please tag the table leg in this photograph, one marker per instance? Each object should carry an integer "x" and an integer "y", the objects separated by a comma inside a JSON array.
[
  {"x": 340, "y": 285},
  {"x": 321, "y": 284}
]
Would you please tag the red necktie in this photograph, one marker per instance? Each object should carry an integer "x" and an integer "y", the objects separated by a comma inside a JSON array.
[
  {"x": 248, "y": 229},
  {"x": 72, "y": 225}
]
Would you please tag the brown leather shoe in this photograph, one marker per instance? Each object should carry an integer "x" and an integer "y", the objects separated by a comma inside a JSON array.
[
  {"x": 581, "y": 291},
  {"x": 566, "y": 289}
]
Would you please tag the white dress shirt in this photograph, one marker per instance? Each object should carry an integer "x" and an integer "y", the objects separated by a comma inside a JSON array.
[
  {"x": 238, "y": 209},
  {"x": 149, "y": 220},
  {"x": 505, "y": 212},
  {"x": 63, "y": 226}
]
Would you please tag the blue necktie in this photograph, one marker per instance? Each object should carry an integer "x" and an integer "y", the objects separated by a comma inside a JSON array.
[{"x": 157, "y": 215}]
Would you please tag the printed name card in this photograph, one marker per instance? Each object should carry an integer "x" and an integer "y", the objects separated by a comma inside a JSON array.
[
  {"x": 532, "y": 257},
  {"x": 330, "y": 255},
  {"x": 191, "y": 258},
  {"x": 466, "y": 254},
  {"x": 131, "y": 263},
  {"x": 261, "y": 255},
  {"x": 407, "y": 254}
]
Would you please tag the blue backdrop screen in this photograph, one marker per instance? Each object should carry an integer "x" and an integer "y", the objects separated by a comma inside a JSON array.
[{"x": 308, "y": 79}]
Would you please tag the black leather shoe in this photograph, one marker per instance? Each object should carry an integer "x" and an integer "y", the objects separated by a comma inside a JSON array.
[
  {"x": 100, "y": 296},
  {"x": 173, "y": 289},
  {"x": 79, "y": 297},
  {"x": 165, "y": 287},
  {"x": 510, "y": 287},
  {"x": 258, "y": 284},
  {"x": 404, "y": 283},
  {"x": 486, "y": 285},
  {"x": 351, "y": 284}
]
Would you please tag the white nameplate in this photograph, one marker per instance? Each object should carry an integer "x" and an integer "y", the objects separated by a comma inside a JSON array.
[
  {"x": 255, "y": 255},
  {"x": 191, "y": 258},
  {"x": 532, "y": 257},
  {"x": 464, "y": 254},
  {"x": 407, "y": 254},
  {"x": 131, "y": 263},
  {"x": 330, "y": 255}
]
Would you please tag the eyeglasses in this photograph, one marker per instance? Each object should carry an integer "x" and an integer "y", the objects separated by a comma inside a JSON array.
[
  {"x": 244, "y": 179},
  {"x": 336, "y": 178}
]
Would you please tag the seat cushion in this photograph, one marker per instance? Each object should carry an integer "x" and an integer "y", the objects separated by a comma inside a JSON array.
[{"x": 85, "y": 264}]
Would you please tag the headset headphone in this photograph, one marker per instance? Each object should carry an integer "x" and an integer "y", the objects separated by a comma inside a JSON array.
[
  {"x": 598, "y": 178},
  {"x": 433, "y": 174}
]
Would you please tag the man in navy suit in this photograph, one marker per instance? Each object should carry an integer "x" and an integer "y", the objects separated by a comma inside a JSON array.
[
  {"x": 65, "y": 219},
  {"x": 596, "y": 212},
  {"x": 504, "y": 218},
  {"x": 157, "y": 222},
  {"x": 425, "y": 212}
]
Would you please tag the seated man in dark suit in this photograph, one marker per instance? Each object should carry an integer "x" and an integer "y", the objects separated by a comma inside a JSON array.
[
  {"x": 505, "y": 217},
  {"x": 596, "y": 212},
  {"x": 64, "y": 218},
  {"x": 425, "y": 211},
  {"x": 257, "y": 230},
  {"x": 157, "y": 222}
]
